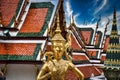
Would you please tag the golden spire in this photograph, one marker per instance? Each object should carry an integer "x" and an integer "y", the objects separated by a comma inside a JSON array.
[
  {"x": 58, "y": 35},
  {"x": 15, "y": 21},
  {"x": 58, "y": 30}
]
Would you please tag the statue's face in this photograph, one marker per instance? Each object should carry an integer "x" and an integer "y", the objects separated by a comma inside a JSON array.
[{"x": 58, "y": 49}]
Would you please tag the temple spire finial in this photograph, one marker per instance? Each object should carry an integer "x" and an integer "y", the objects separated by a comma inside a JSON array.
[
  {"x": 107, "y": 23},
  {"x": 114, "y": 16},
  {"x": 58, "y": 25},
  {"x": 72, "y": 19},
  {"x": 98, "y": 21},
  {"x": 114, "y": 9},
  {"x": 58, "y": 35},
  {"x": 15, "y": 21},
  {"x": 114, "y": 24}
]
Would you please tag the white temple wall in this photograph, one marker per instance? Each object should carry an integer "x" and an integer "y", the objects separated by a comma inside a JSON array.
[{"x": 21, "y": 72}]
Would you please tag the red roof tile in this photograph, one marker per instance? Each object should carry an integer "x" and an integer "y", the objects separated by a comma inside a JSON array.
[
  {"x": 8, "y": 8},
  {"x": 89, "y": 70},
  {"x": 86, "y": 70},
  {"x": 86, "y": 35},
  {"x": 79, "y": 57},
  {"x": 106, "y": 43},
  {"x": 74, "y": 44},
  {"x": 34, "y": 20},
  {"x": 17, "y": 49},
  {"x": 70, "y": 75},
  {"x": 97, "y": 39},
  {"x": 99, "y": 69}
]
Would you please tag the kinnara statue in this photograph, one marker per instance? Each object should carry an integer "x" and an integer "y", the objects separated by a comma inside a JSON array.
[{"x": 56, "y": 68}]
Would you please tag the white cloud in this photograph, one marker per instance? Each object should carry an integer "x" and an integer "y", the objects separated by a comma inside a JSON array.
[
  {"x": 75, "y": 16},
  {"x": 100, "y": 7},
  {"x": 85, "y": 26},
  {"x": 104, "y": 21},
  {"x": 69, "y": 11}
]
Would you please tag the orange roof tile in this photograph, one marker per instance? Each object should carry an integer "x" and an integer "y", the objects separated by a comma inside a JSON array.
[
  {"x": 34, "y": 20},
  {"x": 103, "y": 58},
  {"x": 8, "y": 8},
  {"x": 2, "y": 49},
  {"x": 92, "y": 53},
  {"x": 17, "y": 49}
]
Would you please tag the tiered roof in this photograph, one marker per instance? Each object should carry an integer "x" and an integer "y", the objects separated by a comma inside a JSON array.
[
  {"x": 26, "y": 45},
  {"x": 9, "y": 9},
  {"x": 19, "y": 51},
  {"x": 37, "y": 19},
  {"x": 113, "y": 55}
]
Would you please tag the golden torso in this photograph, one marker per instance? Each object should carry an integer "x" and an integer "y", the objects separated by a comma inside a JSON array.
[{"x": 57, "y": 69}]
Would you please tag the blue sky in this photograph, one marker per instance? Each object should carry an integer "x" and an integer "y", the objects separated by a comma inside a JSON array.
[{"x": 89, "y": 10}]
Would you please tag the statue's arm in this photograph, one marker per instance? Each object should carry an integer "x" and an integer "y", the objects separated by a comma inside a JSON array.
[
  {"x": 77, "y": 72},
  {"x": 43, "y": 74}
]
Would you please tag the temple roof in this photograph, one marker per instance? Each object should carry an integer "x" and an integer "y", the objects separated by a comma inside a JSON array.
[
  {"x": 37, "y": 19},
  {"x": 27, "y": 42},
  {"x": 112, "y": 54},
  {"x": 19, "y": 51},
  {"x": 87, "y": 71},
  {"x": 87, "y": 34},
  {"x": 9, "y": 9}
]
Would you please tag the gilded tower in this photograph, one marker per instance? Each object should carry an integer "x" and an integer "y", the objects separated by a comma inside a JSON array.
[{"x": 112, "y": 62}]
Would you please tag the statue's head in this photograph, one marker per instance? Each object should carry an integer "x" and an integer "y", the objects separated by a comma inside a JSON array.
[
  {"x": 58, "y": 47},
  {"x": 58, "y": 42}
]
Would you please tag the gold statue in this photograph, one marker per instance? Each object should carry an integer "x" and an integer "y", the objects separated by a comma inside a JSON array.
[{"x": 55, "y": 69}]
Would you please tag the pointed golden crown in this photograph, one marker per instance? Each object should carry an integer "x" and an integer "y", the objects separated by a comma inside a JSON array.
[{"x": 58, "y": 35}]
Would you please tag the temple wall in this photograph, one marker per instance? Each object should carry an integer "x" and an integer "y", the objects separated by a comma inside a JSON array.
[{"x": 21, "y": 72}]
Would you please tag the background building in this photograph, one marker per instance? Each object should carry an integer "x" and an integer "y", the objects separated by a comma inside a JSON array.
[{"x": 26, "y": 28}]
